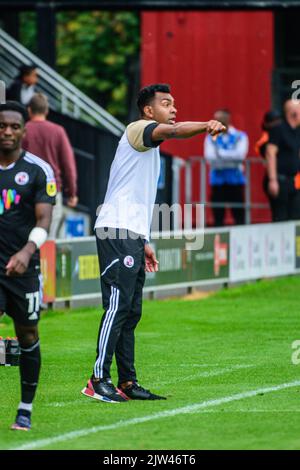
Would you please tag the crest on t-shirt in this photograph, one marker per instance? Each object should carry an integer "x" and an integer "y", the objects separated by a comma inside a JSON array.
[
  {"x": 129, "y": 261},
  {"x": 22, "y": 178}
]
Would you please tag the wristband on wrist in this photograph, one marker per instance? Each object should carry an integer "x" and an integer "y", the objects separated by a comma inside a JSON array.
[{"x": 38, "y": 236}]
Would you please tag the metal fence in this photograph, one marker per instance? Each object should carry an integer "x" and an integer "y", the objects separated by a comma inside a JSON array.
[{"x": 196, "y": 163}]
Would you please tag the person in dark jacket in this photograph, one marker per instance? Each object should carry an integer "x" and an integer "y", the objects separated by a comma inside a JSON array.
[
  {"x": 283, "y": 165},
  {"x": 23, "y": 88},
  {"x": 271, "y": 119}
]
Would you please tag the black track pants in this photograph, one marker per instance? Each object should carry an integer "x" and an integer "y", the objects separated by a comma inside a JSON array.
[{"x": 122, "y": 267}]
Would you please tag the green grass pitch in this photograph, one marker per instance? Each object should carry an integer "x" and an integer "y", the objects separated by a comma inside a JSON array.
[{"x": 204, "y": 355}]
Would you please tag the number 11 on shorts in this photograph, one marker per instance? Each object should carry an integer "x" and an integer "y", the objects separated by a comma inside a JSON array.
[{"x": 33, "y": 301}]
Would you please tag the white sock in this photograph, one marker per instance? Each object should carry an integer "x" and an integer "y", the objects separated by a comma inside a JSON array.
[{"x": 25, "y": 406}]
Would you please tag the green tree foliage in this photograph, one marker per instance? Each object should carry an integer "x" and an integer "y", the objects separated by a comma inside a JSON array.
[
  {"x": 98, "y": 51},
  {"x": 28, "y": 30}
]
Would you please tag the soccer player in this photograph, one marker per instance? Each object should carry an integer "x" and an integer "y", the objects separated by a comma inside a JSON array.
[
  {"x": 123, "y": 232},
  {"x": 27, "y": 193}
]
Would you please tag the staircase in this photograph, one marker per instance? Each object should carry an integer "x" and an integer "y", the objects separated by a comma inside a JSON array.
[{"x": 63, "y": 96}]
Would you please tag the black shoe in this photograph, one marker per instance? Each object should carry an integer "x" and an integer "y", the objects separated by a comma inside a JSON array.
[
  {"x": 22, "y": 422},
  {"x": 134, "y": 391},
  {"x": 103, "y": 390}
]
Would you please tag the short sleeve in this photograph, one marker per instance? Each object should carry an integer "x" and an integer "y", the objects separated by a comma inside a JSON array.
[
  {"x": 275, "y": 136},
  {"x": 139, "y": 135},
  {"x": 147, "y": 136},
  {"x": 45, "y": 188}
]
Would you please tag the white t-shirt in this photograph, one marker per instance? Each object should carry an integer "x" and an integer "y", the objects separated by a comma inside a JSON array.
[
  {"x": 133, "y": 179},
  {"x": 27, "y": 93}
]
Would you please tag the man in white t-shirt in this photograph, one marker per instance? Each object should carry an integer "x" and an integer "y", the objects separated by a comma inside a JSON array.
[{"x": 123, "y": 232}]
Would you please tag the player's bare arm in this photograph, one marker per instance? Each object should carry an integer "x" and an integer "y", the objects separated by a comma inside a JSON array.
[
  {"x": 19, "y": 262},
  {"x": 184, "y": 130}
]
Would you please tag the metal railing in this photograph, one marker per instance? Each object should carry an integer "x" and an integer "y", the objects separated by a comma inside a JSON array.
[
  {"x": 63, "y": 96},
  {"x": 202, "y": 198}
]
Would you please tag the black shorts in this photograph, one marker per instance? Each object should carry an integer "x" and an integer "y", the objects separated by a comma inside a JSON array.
[{"x": 20, "y": 298}]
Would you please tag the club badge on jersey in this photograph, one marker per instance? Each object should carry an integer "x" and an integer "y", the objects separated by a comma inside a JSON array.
[
  {"x": 129, "y": 261},
  {"x": 22, "y": 178}
]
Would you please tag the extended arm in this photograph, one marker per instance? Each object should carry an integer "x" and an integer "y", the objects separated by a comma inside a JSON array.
[{"x": 184, "y": 130}]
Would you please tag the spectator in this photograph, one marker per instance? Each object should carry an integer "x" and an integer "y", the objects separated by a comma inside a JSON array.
[
  {"x": 282, "y": 155},
  {"x": 22, "y": 88},
  {"x": 225, "y": 154},
  {"x": 50, "y": 142},
  {"x": 271, "y": 119}
]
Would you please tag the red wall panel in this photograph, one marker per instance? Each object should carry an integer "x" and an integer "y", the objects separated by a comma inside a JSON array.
[{"x": 211, "y": 60}]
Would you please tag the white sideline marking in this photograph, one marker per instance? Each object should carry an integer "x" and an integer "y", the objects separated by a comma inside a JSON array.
[
  {"x": 213, "y": 373},
  {"x": 242, "y": 410},
  {"x": 62, "y": 404},
  {"x": 199, "y": 365},
  {"x": 163, "y": 414}
]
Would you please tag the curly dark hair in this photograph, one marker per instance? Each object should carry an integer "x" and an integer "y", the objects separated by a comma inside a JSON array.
[{"x": 147, "y": 94}]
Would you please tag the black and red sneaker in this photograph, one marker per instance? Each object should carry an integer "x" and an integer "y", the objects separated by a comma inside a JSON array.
[{"x": 135, "y": 391}]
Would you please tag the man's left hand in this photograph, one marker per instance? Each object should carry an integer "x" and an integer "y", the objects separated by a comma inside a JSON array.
[{"x": 151, "y": 261}]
